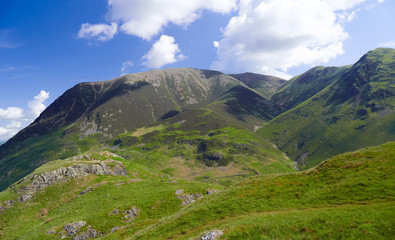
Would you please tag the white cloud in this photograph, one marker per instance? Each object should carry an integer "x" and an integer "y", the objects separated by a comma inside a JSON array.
[
  {"x": 125, "y": 66},
  {"x": 100, "y": 32},
  {"x": 216, "y": 44},
  {"x": 9, "y": 131},
  {"x": 164, "y": 51},
  {"x": 271, "y": 36},
  {"x": 146, "y": 18},
  {"x": 389, "y": 44},
  {"x": 13, "y": 119},
  {"x": 36, "y": 106},
  {"x": 11, "y": 113}
]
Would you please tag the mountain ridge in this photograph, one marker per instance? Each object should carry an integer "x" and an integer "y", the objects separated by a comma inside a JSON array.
[
  {"x": 344, "y": 116},
  {"x": 89, "y": 113}
]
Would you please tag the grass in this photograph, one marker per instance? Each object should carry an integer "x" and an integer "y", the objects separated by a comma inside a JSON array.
[
  {"x": 187, "y": 154},
  {"x": 354, "y": 111},
  {"x": 349, "y": 180},
  {"x": 153, "y": 195},
  {"x": 349, "y": 196}
]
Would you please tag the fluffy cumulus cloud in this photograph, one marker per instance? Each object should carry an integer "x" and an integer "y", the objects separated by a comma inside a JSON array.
[
  {"x": 36, "y": 106},
  {"x": 11, "y": 113},
  {"x": 99, "y": 32},
  {"x": 164, "y": 51},
  {"x": 13, "y": 119},
  {"x": 271, "y": 36},
  {"x": 146, "y": 18}
]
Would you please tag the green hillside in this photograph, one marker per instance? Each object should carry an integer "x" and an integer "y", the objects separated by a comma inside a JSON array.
[
  {"x": 356, "y": 110},
  {"x": 91, "y": 114},
  {"x": 348, "y": 196},
  {"x": 306, "y": 85},
  {"x": 263, "y": 84}
]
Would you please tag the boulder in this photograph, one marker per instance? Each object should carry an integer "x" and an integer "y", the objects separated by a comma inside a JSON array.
[
  {"x": 212, "y": 235},
  {"x": 90, "y": 233},
  {"x": 179, "y": 191},
  {"x": 72, "y": 228},
  {"x": 132, "y": 213},
  {"x": 189, "y": 198}
]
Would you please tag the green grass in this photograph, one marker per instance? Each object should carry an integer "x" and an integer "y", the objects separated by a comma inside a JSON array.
[
  {"x": 360, "y": 178},
  {"x": 349, "y": 196},
  {"x": 154, "y": 196}
]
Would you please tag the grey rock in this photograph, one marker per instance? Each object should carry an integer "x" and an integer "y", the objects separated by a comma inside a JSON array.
[
  {"x": 73, "y": 228},
  {"x": 89, "y": 189},
  {"x": 90, "y": 233},
  {"x": 212, "y": 191},
  {"x": 9, "y": 202},
  {"x": 132, "y": 213},
  {"x": 179, "y": 191},
  {"x": 114, "y": 229},
  {"x": 188, "y": 199},
  {"x": 114, "y": 212},
  {"x": 212, "y": 235},
  {"x": 51, "y": 231},
  {"x": 46, "y": 179}
]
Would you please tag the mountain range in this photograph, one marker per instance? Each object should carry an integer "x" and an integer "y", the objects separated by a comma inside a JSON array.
[{"x": 174, "y": 153}]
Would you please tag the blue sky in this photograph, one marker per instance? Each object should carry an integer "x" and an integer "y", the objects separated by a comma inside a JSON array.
[{"x": 49, "y": 46}]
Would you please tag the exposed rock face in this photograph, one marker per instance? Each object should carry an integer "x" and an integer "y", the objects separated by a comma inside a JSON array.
[
  {"x": 46, "y": 179},
  {"x": 212, "y": 235},
  {"x": 189, "y": 198},
  {"x": 179, "y": 191},
  {"x": 72, "y": 228},
  {"x": 90, "y": 233}
]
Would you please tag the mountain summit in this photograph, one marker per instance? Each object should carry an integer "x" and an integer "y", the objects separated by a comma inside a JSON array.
[{"x": 91, "y": 113}]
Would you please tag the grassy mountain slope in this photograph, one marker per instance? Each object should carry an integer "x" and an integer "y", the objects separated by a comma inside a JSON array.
[
  {"x": 306, "y": 85},
  {"x": 223, "y": 154},
  {"x": 264, "y": 84},
  {"x": 356, "y": 110},
  {"x": 347, "y": 196},
  {"x": 91, "y": 113},
  {"x": 318, "y": 203}
]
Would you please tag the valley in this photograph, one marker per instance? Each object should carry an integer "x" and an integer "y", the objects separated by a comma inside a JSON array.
[{"x": 181, "y": 153}]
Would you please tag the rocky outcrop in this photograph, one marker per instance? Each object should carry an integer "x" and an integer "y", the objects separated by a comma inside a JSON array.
[
  {"x": 90, "y": 233},
  {"x": 72, "y": 229},
  {"x": 43, "y": 180},
  {"x": 8, "y": 204},
  {"x": 131, "y": 214},
  {"x": 187, "y": 198},
  {"x": 212, "y": 235}
]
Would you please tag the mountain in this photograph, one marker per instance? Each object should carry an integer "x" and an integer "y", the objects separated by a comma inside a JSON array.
[
  {"x": 197, "y": 154},
  {"x": 112, "y": 112},
  {"x": 354, "y": 109},
  {"x": 306, "y": 85},
  {"x": 264, "y": 84},
  {"x": 104, "y": 195}
]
